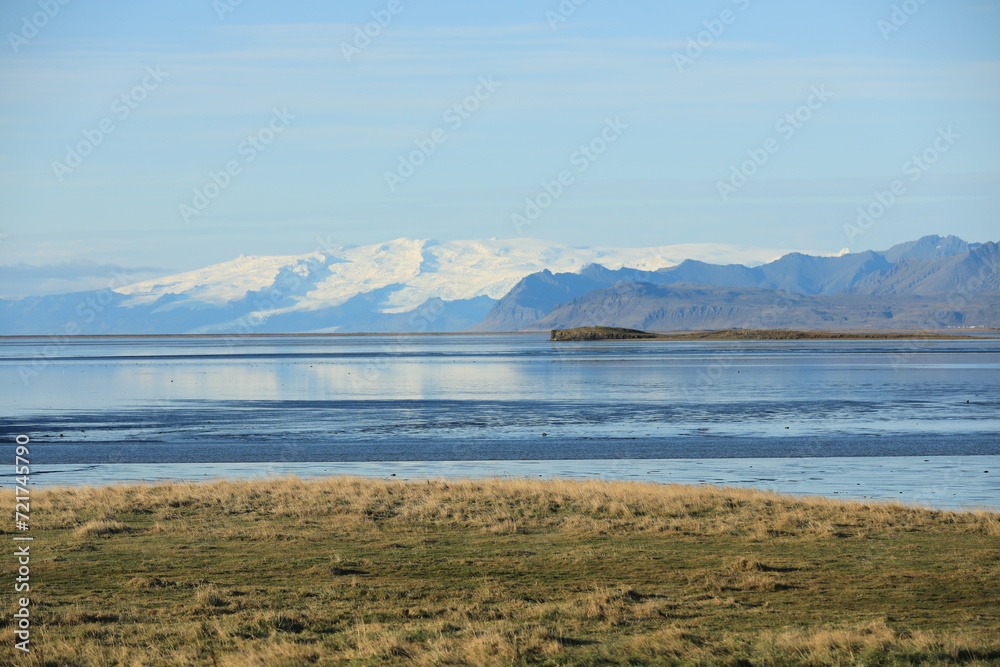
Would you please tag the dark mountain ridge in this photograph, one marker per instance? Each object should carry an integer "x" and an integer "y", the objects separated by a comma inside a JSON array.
[
  {"x": 686, "y": 306},
  {"x": 947, "y": 271}
]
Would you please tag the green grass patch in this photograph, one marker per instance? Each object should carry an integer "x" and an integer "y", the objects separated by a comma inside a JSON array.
[{"x": 370, "y": 572}]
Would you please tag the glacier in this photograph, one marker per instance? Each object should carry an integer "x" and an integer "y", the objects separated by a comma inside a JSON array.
[{"x": 372, "y": 288}]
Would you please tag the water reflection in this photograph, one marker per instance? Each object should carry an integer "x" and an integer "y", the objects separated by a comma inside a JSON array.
[{"x": 494, "y": 396}]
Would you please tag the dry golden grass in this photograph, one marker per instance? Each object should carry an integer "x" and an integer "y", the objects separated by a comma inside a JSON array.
[
  {"x": 362, "y": 571},
  {"x": 101, "y": 527},
  {"x": 497, "y": 506}
]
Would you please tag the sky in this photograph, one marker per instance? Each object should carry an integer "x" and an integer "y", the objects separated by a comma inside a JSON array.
[{"x": 156, "y": 137}]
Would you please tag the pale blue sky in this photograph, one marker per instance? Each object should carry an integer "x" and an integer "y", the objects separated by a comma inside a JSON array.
[{"x": 324, "y": 174}]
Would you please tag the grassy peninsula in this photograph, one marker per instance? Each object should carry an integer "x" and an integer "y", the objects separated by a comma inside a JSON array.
[
  {"x": 618, "y": 333},
  {"x": 358, "y": 571}
]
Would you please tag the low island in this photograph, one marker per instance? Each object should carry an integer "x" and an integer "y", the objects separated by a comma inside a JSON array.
[{"x": 618, "y": 333}]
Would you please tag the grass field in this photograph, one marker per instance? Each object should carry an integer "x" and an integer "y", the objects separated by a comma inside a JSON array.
[{"x": 370, "y": 572}]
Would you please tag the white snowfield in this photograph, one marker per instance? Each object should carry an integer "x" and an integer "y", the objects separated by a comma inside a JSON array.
[{"x": 416, "y": 270}]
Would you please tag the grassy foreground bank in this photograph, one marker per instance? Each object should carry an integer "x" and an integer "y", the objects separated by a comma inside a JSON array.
[{"x": 360, "y": 571}]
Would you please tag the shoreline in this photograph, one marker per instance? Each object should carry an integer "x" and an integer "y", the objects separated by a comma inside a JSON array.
[
  {"x": 935, "y": 334},
  {"x": 601, "y": 333},
  {"x": 279, "y": 335},
  {"x": 941, "y": 482}
]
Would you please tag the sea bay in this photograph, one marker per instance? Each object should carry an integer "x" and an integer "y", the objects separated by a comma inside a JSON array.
[{"x": 101, "y": 410}]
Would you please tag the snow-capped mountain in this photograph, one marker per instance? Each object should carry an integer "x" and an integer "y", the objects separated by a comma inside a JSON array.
[
  {"x": 384, "y": 287},
  {"x": 408, "y": 272}
]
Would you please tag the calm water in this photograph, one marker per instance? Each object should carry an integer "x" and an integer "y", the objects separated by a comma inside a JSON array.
[{"x": 468, "y": 404}]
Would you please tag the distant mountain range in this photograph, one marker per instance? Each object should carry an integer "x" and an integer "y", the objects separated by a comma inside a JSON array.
[
  {"x": 401, "y": 285},
  {"x": 929, "y": 283},
  {"x": 679, "y": 306},
  {"x": 526, "y": 285}
]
